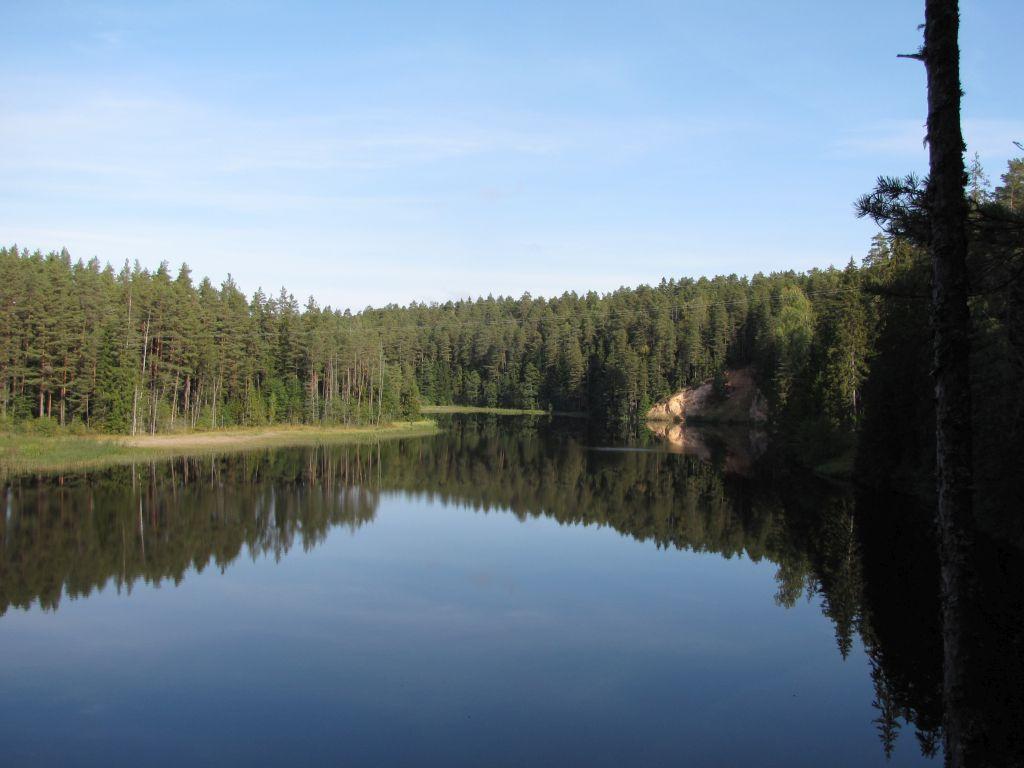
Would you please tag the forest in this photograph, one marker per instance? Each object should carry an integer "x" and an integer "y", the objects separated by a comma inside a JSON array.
[{"x": 842, "y": 355}]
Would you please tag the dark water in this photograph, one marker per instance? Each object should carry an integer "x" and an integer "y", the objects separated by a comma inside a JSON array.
[{"x": 508, "y": 593}]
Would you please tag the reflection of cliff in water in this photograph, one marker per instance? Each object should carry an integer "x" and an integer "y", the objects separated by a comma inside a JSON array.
[
  {"x": 733, "y": 447},
  {"x": 870, "y": 561}
]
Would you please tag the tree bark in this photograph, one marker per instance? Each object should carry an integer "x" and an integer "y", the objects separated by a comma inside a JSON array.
[
  {"x": 380, "y": 389},
  {"x": 951, "y": 375},
  {"x": 188, "y": 391},
  {"x": 174, "y": 398},
  {"x": 142, "y": 374}
]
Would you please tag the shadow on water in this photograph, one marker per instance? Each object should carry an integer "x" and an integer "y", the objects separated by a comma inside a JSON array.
[{"x": 869, "y": 558}]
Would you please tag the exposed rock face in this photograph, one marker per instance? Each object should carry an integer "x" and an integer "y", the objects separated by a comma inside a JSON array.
[
  {"x": 691, "y": 400},
  {"x": 743, "y": 402}
]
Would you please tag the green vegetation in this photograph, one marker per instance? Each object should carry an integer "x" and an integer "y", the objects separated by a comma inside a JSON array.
[
  {"x": 841, "y": 355},
  {"x": 31, "y": 453}
]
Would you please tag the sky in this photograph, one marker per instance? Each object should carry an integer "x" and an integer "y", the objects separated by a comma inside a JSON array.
[{"x": 367, "y": 153}]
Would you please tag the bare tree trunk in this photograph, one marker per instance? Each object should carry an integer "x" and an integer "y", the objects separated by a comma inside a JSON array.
[
  {"x": 174, "y": 398},
  {"x": 314, "y": 389},
  {"x": 359, "y": 390},
  {"x": 135, "y": 399},
  {"x": 348, "y": 394},
  {"x": 380, "y": 389},
  {"x": 63, "y": 390},
  {"x": 952, "y": 348},
  {"x": 213, "y": 404},
  {"x": 157, "y": 397},
  {"x": 188, "y": 392},
  {"x": 197, "y": 404}
]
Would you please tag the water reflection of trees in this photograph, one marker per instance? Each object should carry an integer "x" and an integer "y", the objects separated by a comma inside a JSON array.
[
  {"x": 869, "y": 560},
  {"x": 69, "y": 536}
]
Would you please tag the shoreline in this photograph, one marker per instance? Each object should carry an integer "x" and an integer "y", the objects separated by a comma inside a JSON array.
[
  {"x": 30, "y": 454},
  {"x": 482, "y": 409},
  {"x": 486, "y": 410}
]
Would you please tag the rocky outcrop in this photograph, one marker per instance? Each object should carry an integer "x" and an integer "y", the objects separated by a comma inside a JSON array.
[
  {"x": 691, "y": 400},
  {"x": 742, "y": 403}
]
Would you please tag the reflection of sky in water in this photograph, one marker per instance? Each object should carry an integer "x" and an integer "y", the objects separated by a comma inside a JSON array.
[{"x": 440, "y": 635}]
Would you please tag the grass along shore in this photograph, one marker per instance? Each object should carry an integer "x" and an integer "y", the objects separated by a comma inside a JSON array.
[{"x": 28, "y": 453}]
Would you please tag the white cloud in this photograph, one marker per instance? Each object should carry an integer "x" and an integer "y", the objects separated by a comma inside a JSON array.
[
  {"x": 139, "y": 137},
  {"x": 124, "y": 135}
]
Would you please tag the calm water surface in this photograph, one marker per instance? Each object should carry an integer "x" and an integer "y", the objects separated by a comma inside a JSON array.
[{"x": 512, "y": 592}]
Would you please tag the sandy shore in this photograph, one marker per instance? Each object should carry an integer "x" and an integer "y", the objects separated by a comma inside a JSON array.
[
  {"x": 33, "y": 453},
  {"x": 271, "y": 435}
]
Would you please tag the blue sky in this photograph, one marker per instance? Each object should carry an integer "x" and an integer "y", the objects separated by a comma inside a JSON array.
[{"x": 366, "y": 153}]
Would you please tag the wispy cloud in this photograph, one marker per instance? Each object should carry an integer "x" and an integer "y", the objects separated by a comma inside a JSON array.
[
  {"x": 123, "y": 151},
  {"x": 125, "y": 135},
  {"x": 111, "y": 133}
]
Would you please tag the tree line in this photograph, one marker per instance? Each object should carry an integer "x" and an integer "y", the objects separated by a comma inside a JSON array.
[
  {"x": 134, "y": 350},
  {"x": 834, "y": 350}
]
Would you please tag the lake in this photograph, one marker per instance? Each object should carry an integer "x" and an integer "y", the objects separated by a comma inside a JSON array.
[{"x": 514, "y": 591}]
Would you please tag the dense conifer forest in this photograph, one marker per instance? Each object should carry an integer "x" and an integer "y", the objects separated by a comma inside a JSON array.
[{"x": 838, "y": 353}]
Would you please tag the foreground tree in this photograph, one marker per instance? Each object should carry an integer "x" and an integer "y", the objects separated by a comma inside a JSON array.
[
  {"x": 947, "y": 206},
  {"x": 971, "y": 250}
]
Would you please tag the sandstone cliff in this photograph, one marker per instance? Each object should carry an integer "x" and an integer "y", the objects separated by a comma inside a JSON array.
[{"x": 742, "y": 403}]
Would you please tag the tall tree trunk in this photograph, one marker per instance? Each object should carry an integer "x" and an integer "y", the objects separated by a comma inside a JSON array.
[
  {"x": 174, "y": 397},
  {"x": 197, "y": 403},
  {"x": 348, "y": 388},
  {"x": 142, "y": 373},
  {"x": 359, "y": 390},
  {"x": 63, "y": 390},
  {"x": 213, "y": 404},
  {"x": 88, "y": 399},
  {"x": 380, "y": 389},
  {"x": 188, "y": 391},
  {"x": 952, "y": 348},
  {"x": 157, "y": 396}
]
